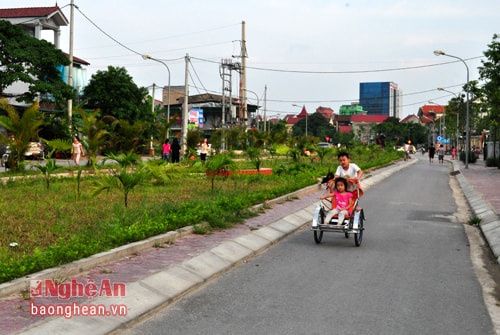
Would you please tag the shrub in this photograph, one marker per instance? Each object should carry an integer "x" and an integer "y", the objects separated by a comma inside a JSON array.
[
  {"x": 472, "y": 157},
  {"x": 491, "y": 162}
]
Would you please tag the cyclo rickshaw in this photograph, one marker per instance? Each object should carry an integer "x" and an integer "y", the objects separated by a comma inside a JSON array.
[{"x": 353, "y": 223}]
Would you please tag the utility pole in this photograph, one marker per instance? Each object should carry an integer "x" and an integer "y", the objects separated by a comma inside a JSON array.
[
  {"x": 70, "y": 71},
  {"x": 185, "y": 111},
  {"x": 243, "y": 76},
  {"x": 265, "y": 107},
  {"x": 151, "y": 148}
]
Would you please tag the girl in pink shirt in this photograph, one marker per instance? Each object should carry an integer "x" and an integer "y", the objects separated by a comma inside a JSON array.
[{"x": 342, "y": 201}]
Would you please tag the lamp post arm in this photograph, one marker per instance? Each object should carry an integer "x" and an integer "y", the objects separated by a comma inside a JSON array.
[
  {"x": 467, "y": 107},
  {"x": 168, "y": 91}
]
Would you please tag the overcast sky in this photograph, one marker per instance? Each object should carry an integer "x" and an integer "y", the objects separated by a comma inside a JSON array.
[{"x": 308, "y": 52}]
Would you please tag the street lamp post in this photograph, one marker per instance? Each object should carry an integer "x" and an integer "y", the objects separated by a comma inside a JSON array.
[
  {"x": 168, "y": 94},
  {"x": 458, "y": 113},
  {"x": 467, "y": 116},
  {"x": 304, "y": 108}
]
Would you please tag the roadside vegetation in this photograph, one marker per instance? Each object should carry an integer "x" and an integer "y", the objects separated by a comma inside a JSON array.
[{"x": 84, "y": 212}]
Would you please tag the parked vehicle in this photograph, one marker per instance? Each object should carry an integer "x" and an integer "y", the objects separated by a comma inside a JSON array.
[
  {"x": 5, "y": 157},
  {"x": 324, "y": 145},
  {"x": 35, "y": 151}
]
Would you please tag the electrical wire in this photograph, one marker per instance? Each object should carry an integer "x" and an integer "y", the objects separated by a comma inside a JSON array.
[
  {"x": 108, "y": 35},
  {"x": 348, "y": 71},
  {"x": 196, "y": 74}
]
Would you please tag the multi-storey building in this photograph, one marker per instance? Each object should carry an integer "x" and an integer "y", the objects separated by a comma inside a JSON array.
[{"x": 381, "y": 98}]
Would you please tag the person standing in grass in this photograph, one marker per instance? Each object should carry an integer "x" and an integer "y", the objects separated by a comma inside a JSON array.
[{"x": 78, "y": 151}]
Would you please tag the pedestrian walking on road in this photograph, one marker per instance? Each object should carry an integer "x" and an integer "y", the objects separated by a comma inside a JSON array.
[
  {"x": 441, "y": 154},
  {"x": 78, "y": 151},
  {"x": 406, "y": 149},
  {"x": 432, "y": 151}
]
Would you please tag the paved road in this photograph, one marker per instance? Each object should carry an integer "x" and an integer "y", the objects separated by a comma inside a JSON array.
[{"x": 412, "y": 275}]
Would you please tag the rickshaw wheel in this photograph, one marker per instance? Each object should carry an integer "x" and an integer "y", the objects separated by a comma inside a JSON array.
[
  {"x": 358, "y": 237},
  {"x": 318, "y": 234}
]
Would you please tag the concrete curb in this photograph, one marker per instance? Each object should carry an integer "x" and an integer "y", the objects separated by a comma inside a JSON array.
[{"x": 490, "y": 220}]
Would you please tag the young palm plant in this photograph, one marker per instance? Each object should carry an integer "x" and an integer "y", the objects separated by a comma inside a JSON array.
[
  {"x": 254, "y": 155},
  {"x": 219, "y": 166},
  {"x": 322, "y": 153},
  {"x": 124, "y": 176},
  {"x": 47, "y": 169}
]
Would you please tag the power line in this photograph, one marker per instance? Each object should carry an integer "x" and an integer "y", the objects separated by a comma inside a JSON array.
[
  {"x": 180, "y": 35},
  {"x": 196, "y": 74},
  {"x": 108, "y": 35},
  {"x": 346, "y": 71}
]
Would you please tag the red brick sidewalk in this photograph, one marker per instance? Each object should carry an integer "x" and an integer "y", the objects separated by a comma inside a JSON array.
[{"x": 485, "y": 181}]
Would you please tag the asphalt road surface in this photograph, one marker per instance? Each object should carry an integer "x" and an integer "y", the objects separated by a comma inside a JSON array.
[{"x": 412, "y": 274}]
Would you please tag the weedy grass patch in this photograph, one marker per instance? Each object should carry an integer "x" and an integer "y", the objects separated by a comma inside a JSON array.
[{"x": 44, "y": 227}]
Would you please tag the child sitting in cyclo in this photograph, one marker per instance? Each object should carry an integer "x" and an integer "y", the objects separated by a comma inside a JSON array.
[
  {"x": 348, "y": 170},
  {"x": 342, "y": 201}
]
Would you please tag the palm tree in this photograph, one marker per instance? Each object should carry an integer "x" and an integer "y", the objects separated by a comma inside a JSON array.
[
  {"x": 93, "y": 131},
  {"x": 254, "y": 155},
  {"x": 23, "y": 129}
]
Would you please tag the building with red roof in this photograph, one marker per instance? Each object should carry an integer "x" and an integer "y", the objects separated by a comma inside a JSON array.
[
  {"x": 34, "y": 20},
  {"x": 430, "y": 113},
  {"x": 410, "y": 119},
  {"x": 326, "y": 112}
]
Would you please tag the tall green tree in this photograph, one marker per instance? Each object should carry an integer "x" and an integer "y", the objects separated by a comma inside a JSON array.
[
  {"x": 317, "y": 126},
  {"x": 278, "y": 133},
  {"x": 115, "y": 94},
  {"x": 34, "y": 62},
  {"x": 398, "y": 132},
  {"x": 490, "y": 73}
]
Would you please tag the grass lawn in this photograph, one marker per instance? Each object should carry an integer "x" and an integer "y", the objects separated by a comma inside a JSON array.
[{"x": 41, "y": 228}]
